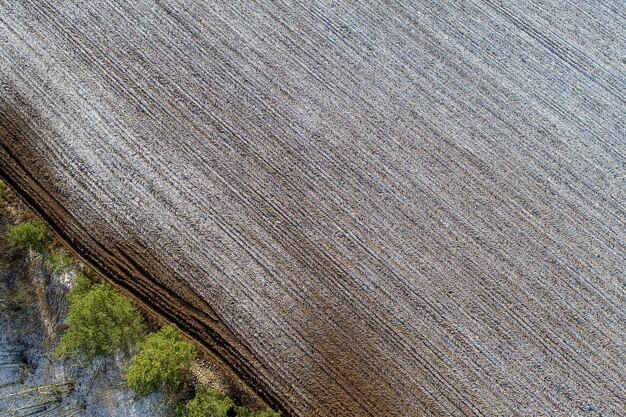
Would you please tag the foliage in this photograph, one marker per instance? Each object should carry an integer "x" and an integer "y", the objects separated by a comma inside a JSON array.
[
  {"x": 101, "y": 322},
  {"x": 162, "y": 361},
  {"x": 210, "y": 403},
  {"x": 206, "y": 403},
  {"x": 246, "y": 412},
  {"x": 3, "y": 190},
  {"x": 30, "y": 235},
  {"x": 59, "y": 261},
  {"x": 82, "y": 285}
]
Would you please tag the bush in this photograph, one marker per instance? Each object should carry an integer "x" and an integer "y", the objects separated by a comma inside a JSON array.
[
  {"x": 59, "y": 261},
  {"x": 246, "y": 412},
  {"x": 206, "y": 402},
  {"x": 162, "y": 361},
  {"x": 101, "y": 322},
  {"x": 30, "y": 235}
]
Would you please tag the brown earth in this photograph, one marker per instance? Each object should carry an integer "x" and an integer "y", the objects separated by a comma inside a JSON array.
[{"x": 393, "y": 209}]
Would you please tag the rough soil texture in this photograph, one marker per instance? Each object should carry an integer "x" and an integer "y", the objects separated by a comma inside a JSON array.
[{"x": 365, "y": 208}]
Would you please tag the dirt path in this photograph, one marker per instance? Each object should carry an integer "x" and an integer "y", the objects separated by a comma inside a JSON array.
[{"x": 414, "y": 208}]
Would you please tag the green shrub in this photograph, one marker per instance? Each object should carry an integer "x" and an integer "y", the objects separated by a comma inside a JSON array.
[
  {"x": 206, "y": 403},
  {"x": 246, "y": 412},
  {"x": 162, "y": 361},
  {"x": 30, "y": 235},
  {"x": 101, "y": 322},
  {"x": 59, "y": 261}
]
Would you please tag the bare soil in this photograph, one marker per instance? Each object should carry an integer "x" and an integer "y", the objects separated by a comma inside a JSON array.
[{"x": 362, "y": 208}]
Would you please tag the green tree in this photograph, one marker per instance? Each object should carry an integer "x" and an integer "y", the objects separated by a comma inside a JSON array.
[
  {"x": 206, "y": 403},
  {"x": 162, "y": 361},
  {"x": 246, "y": 412},
  {"x": 30, "y": 235},
  {"x": 101, "y": 322},
  {"x": 81, "y": 286}
]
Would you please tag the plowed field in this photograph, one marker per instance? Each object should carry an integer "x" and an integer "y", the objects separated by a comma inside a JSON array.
[{"x": 392, "y": 208}]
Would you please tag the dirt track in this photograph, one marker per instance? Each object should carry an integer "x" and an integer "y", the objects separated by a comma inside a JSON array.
[{"x": 393, "y": 210}]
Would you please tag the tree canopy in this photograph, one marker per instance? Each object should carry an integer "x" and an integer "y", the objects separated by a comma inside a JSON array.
[
  {"x": 30, "y": 235},
  {"x": 101, "y": 322},
  {"x": 206, "y": 402},
  {"x": 162, "y": 361}
]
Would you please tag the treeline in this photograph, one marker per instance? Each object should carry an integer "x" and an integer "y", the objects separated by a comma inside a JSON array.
[{"x": 102, "y": 321}]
